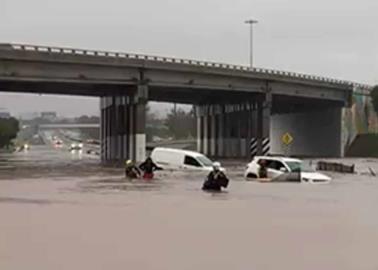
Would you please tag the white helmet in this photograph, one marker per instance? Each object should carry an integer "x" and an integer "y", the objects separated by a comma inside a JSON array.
[{"x": 216, "y": 166}]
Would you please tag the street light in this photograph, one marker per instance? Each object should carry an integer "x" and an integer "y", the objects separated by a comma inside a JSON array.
[{"x": 251, "y": 23}]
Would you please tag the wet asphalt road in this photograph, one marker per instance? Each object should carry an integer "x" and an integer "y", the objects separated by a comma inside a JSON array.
[{"x": 62, "y": 210}]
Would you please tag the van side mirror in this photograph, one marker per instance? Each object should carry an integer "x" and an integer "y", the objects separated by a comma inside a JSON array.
[{"x": 283, "y": 169}]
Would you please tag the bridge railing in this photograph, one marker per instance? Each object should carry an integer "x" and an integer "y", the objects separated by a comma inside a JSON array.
[{"x": 284, "y": 74}]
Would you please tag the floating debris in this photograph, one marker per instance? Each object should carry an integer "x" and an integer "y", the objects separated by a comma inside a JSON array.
[{"x": 335, "y": 167}]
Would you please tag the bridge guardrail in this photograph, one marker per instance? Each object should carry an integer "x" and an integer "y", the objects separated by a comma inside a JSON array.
[{"x": 286, "y": 74}]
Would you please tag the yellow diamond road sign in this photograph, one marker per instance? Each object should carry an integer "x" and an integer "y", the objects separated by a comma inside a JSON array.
[{"x": 287, "y": 138}]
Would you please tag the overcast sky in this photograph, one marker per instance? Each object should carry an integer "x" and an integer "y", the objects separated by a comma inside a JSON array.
[{"x": 334, "y": 38}]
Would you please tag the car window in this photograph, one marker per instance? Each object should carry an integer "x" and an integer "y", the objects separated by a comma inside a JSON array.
[
  {"x": 296, "y": 166},
  {"x": 191, "y": 161},
  {"x": 276, "y": 165}
]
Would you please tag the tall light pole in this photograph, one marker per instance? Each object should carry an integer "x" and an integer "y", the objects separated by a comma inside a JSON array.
[{"x": 251, "y": 23}]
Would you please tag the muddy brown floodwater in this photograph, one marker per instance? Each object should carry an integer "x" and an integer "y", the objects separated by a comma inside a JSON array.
[{"x": 61, "y": 211}]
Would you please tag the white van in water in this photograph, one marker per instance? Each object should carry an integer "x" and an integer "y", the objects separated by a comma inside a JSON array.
[{"x": 169, "y": 158}]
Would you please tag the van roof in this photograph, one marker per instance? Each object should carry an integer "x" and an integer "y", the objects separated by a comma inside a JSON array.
[{"x": 185, "y": 152}]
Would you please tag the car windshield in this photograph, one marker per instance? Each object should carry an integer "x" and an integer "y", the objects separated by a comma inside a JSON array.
[
  {"x": 296, "y": 166},
  {"x": 205, "y": 161}
]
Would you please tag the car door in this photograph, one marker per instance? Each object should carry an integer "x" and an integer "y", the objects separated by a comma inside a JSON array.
[{"x": 274, "y": 168}]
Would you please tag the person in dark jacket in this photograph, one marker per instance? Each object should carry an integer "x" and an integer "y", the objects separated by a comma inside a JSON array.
[
  {"x": 216, "y": 179},
  {"x": 131, "y": 171},
  {"x": 148, "y": 167},
  {"x": 263, "y": 171}
]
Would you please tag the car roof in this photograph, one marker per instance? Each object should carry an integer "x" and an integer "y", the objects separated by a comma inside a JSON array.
[
  {"x": 172, "y": 150},
  {"x": 283, "y": 159}
]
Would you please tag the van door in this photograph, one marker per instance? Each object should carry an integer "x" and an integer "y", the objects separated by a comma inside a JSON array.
[{"x": 191, "y": 163}]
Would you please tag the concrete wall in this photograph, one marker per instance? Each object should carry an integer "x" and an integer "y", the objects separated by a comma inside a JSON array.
[
  {"x": 360, "y": 118},
  {"x": 316, "y": 133}
]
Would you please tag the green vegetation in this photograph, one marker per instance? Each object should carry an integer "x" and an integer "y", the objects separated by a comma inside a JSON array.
[
  {"x": 181, "y": 124},
  {"x": 178, "y": 124},
  {"x": 374, "y": 97},
  {"x": 8, "y": 131}
]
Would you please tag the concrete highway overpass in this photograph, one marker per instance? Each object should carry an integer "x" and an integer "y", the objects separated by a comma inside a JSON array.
[{"x": 240, "y": 111}]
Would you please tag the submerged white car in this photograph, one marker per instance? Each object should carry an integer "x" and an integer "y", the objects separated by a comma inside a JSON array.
[{"x": 279, "y": 167}]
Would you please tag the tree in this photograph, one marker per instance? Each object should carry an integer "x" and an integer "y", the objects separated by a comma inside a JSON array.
[
  {"x": 374, "y": 97},
  {"x": 181, "y": 124},
  {"x": 155, "y": 126},
  {"x": 8, "y": 131}
]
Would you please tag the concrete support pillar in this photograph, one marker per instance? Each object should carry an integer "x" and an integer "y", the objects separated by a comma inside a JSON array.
[
  {"x": 263, "y": 123},
  {"x": 123, "y": 113},
  {"x": 239, "y": 137},
  {"x": 128, "y": 127},
  {"x": 205, "y": 139},
  {"x": 121, "y": 129},
  {"x": 102, "y": 128},
  {"x": 243, "y": 126},
  {"x": 227, "y": 132},
  {"x": 139, "y": 123},
  {"x": 108, "y": 128},
  {"x": 140, "y": 132},
  {"x": 253, "y": 130},
  {"x": 234, "y": 132},
  {"x": 248, "y": 131},
  {"x": 113, "y": 129},
  {"x": 220, "y": 137},
  {"x": 199, "y": 116},
  {"x": 131, "y": 128},
  {"x": 118, "y": 126},
  {"x": 213, "y": 131}
]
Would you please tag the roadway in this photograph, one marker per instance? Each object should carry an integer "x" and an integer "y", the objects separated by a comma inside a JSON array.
[
  {"x": 49, "y": 158},
  {"x": 60, "y": 211}
]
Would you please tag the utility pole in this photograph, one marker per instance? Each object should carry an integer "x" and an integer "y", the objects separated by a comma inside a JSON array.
[{"x": 251, "y": 23}]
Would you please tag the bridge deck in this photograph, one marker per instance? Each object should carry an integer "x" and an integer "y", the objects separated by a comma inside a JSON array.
[{"x": 42, "y": 69}]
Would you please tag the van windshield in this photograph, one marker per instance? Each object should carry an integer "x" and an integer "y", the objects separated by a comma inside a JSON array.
[{"x": 205, "y": 161}]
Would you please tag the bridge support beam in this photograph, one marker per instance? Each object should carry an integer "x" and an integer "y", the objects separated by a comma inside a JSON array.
[
  {"x": 123, "y": 121},
  {"x": 234, "y": 130}
]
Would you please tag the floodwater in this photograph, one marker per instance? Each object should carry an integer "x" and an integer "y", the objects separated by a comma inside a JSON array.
[{"x": 60, "y": 210}]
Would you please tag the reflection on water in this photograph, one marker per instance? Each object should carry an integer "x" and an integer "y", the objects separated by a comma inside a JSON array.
[
  {"x": 22, "y": 200},
  {"x": 13, "y": 200},
  {"x": 122, "y": 184}
]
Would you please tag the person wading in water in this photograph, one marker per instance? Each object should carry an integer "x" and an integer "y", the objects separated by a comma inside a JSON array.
[
  {"x": 216, "y": 179},
  {"x": 148, "y": 167},
  {"x": 131, "y": 171}
]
